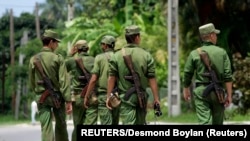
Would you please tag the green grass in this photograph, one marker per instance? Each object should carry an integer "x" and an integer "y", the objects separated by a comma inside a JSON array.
[
  {"x": 233, "y": 116},
  {"x": 182, "y": 118},
  {"x": 10, "y": 120}
]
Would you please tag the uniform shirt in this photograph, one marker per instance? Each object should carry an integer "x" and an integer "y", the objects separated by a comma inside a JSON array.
[
  {"x": 101, "y": 67},
  {"x": 75, "y": 71},
  {"x": 55, "y": 69},
  {"x": 143, "y": 64},
  {"x": 220, "y": 64}
]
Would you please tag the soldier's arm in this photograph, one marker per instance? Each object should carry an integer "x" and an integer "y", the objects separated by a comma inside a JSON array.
[
  {"x": 228, "y": 79},
  {"x": 92, "y": 84},
  {"x": 186, "y": 93},
  {"x": 154, "y": 88},
  {"x": 229, "y": 93},
  {"x": 31, "y": 75},
  {"x": 111, "y": 85}
]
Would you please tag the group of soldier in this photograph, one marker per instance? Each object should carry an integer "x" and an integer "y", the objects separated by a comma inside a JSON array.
[{"x": 110, "y": 87}]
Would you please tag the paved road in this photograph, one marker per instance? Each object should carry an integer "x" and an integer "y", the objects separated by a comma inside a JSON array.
[{"x": 23, "y": 132}]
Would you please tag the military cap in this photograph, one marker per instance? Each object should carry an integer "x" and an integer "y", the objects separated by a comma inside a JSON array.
[
  {"x": 133, "y": 29},
  {"x": 51, "y": 34},
  {"x": 208, "y": 28},
  {"x": 81, "y": 44},
  {"x": 108, "y": 39}
]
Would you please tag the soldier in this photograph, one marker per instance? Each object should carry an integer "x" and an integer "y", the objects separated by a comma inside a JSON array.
[
  {"x": 80, "y": 114},
  {"x": 130, "y": 111},
  {"x": 55, "y": 69},
  {"x": 99, "y": 78},
  {"x": 209, "y": 109}
]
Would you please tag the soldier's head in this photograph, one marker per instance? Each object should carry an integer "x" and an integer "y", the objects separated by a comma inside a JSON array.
[
  {"x": 50, "y": 39},
  {"x": 81, "y": 45},
  {"x": 108, "y": 41},
  {"x": 132, "y": 34},
  {"x": 208, "y": 33}
]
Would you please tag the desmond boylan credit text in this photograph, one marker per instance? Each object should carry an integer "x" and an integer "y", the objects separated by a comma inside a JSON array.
[{"x": 183, "y": 131}]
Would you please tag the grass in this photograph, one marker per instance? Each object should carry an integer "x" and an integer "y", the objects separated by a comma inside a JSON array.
[
  {"x": 182, "y": 118},
  {"x": 10, "y": 120}
]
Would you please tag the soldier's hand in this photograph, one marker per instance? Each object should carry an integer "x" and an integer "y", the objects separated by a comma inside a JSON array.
[
  {"x": 73, "y": 51},
  {"x": 108, "y": 104},
  {"x": 156, "y": 101},
  {"x": 186, "y": 94},
  {"x": 68, "y": 107},
  {"x": 86, "y": 102},
  {"x": 228, "y": 101}
]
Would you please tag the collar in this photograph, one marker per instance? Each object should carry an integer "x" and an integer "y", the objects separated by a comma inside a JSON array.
[
  {"x": 131, "y": 45},
  {"x": 46, "y": 49},
  {"x": 109, "y": 49},
  {"x": 207, "y": 43}
]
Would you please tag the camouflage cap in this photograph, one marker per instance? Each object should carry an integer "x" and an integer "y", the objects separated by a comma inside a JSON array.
[
  {"x": 51, "y": 34},
  {"x": 108, "y": 39},
  {"x": 81, "y": 44},
  {"x": 208, "y": 28},
  {"x": 133, "y": 29}
]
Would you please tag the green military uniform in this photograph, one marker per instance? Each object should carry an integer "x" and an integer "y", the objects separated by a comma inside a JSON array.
[
  {"x": 80, "y": 114},
  {"x": 101, "y": 67},
  {"x": 143, "y": 62},
  {"x": 208, "y": 109},
  {"x": 55, "y": 69}
]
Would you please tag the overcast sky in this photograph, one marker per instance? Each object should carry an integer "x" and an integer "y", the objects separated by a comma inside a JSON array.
[{"x": 18, "y": 6}]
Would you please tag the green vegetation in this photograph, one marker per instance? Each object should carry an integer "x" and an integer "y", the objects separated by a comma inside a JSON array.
[
  {"x": 10, "y": 120},
  {"x": 182, "y": 118}
]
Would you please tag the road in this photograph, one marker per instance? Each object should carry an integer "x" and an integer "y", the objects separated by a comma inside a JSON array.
[{"x": 24, "y": 132}]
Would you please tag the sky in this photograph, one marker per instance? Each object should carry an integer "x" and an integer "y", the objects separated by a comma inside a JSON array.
[{"x": 18, "y": 6}]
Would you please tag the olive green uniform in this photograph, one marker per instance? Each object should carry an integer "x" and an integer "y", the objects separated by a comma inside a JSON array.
[
  {"x": 143, "y": 62},
  {"x": 208, "y": 109},
  {"x": 54, "y": 67},
  {"x": 101, "y": 67},
  {"x": 80, "y": 114}
]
